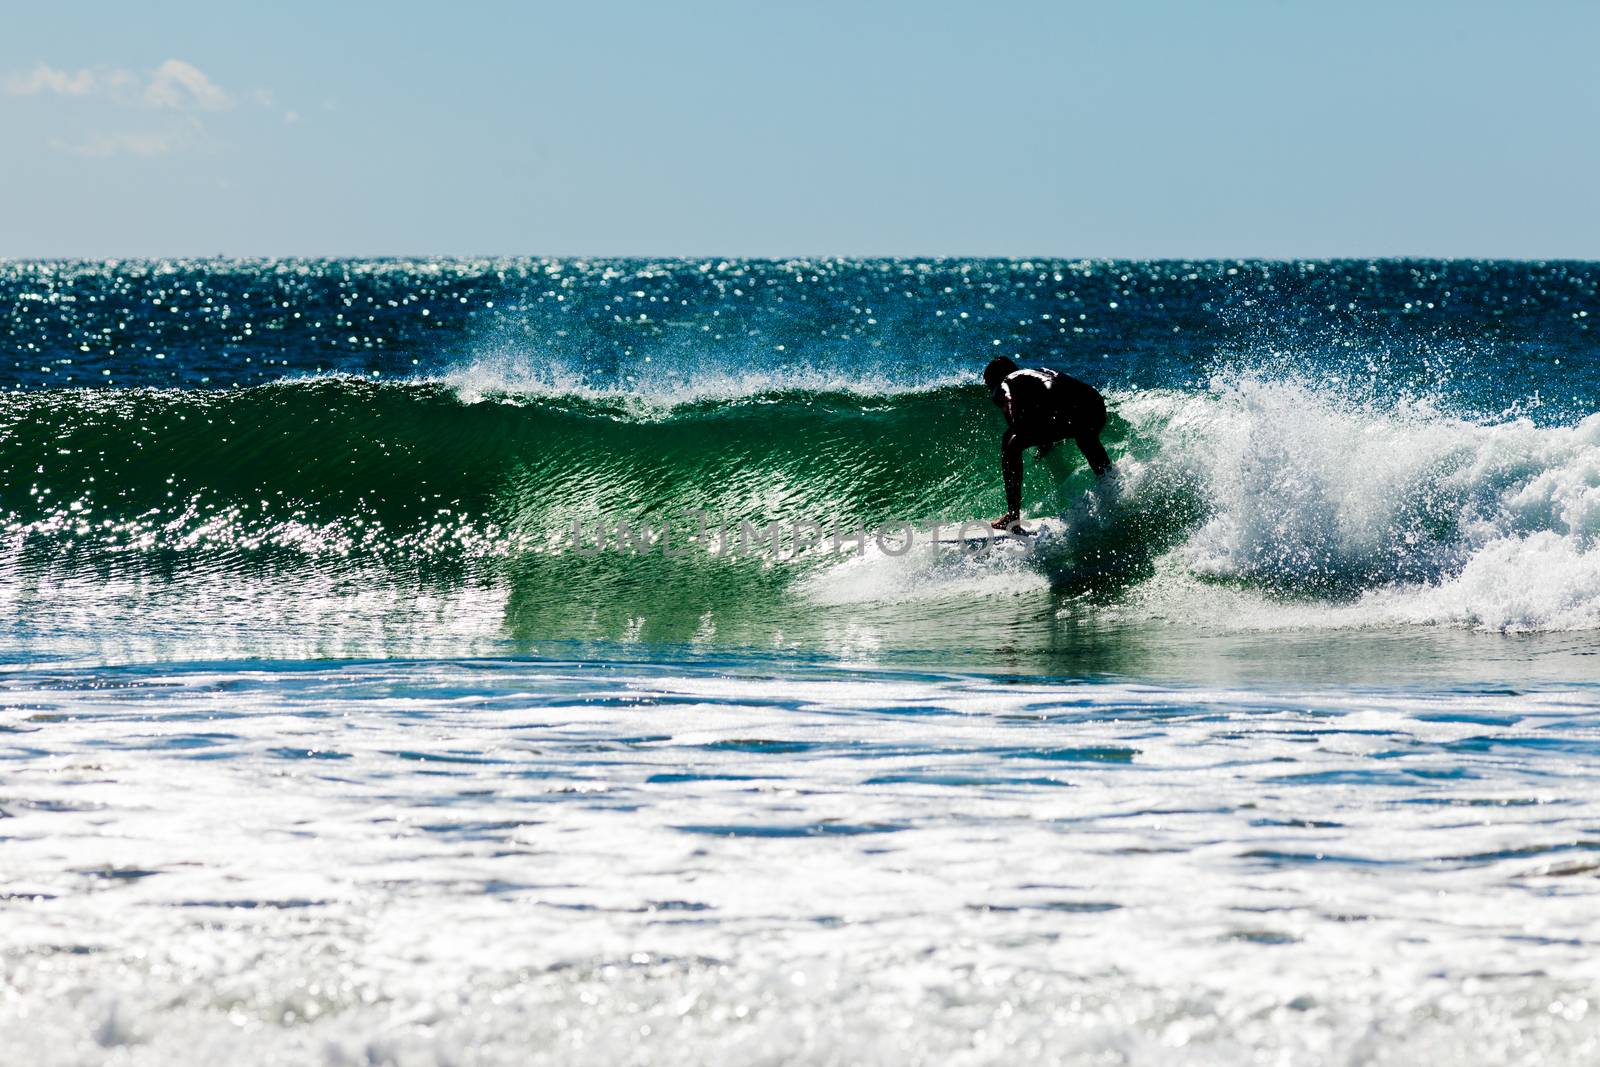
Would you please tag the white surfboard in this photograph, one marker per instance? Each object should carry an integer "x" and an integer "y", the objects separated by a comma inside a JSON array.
[{"x": 1035, "y": 532}]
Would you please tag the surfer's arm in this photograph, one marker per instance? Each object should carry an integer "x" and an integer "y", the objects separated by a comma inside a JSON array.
[
  {"x": 1006, "y": 404},
  {"x": 1011, "y": 448}
]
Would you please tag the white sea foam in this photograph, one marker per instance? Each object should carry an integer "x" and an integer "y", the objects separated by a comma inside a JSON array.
[
  {"x": 1543, "y": 581},
  {"x": 1422, "y": 517},
  {"x": 485, "y": 863}
]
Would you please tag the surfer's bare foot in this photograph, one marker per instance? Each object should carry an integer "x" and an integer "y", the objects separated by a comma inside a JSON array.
[{"x": 1009, "y": 523}]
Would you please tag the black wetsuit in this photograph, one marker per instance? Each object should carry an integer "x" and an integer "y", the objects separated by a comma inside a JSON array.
[{"x": 1041, "y": 408}]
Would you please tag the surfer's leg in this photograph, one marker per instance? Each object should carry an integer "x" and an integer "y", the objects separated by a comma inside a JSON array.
[
  {"x": 1093, "y": 451},
  {"x": 1088, "y": 438}
]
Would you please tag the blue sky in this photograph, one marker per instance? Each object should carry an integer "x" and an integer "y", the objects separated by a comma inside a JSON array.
[{"x": 1136, "y": 129}]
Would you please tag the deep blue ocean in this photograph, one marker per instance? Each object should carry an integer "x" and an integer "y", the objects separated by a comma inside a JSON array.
[{"x": 517, "y": 661}]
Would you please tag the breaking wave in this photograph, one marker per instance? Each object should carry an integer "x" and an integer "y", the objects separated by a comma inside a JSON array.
[{"x": 1250, "y": 501}]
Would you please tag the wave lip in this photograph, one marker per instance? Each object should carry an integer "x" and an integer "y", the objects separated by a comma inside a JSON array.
[{"x": 647, "y": 390}]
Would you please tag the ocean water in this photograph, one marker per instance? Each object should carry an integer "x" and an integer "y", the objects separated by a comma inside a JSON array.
[{"x": 522, "y": 661}]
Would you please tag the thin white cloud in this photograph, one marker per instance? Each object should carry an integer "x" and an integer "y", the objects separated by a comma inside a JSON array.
[
  {"x": 146, "y": 145},
  {"x": 178, "y": 88},
  {"x": 46, "y": 79},
  {"x": 182, "y": 85},
  {"x": 175, "y": 84}
]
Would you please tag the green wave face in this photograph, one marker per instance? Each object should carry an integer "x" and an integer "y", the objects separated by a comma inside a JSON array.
[
  {"x": 359, "y": 486},
  {"x": 367, "y": 486},
  {"x": 408, "y": 472}
]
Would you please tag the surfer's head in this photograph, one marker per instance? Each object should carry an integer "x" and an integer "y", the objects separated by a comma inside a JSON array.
[{"x": 996, "y": 372}]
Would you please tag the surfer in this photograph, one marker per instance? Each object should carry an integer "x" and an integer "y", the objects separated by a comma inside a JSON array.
[{"x": 1042, "y": 407}]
